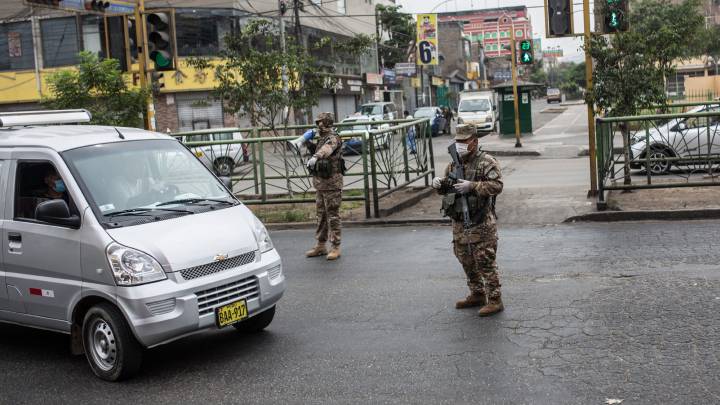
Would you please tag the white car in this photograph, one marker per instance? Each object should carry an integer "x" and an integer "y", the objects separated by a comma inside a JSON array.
[
  {"x": 221, "y": 159},
  {"x": 353, "y": 145},
  {"x": 677, "y": 138}
]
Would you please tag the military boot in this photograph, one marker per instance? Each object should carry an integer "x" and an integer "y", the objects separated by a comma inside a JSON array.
[
  {"x": 472, "y": 300},
  {"x": 334, "y": 253},
  {"x": 493, "y": 306},
  {"x": 318, "y": 250}
]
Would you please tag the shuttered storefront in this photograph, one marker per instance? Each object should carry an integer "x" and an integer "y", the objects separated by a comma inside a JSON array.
[{"x": 198, "y": 111}]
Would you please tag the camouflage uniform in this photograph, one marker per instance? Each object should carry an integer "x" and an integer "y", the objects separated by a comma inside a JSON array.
[
  {"x": 476, "y": 247},
  {"x": 329, "y": 190}
]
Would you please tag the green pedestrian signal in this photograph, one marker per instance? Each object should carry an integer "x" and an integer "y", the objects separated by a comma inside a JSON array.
[
  {"x": 526, "y": 52},
  {"x": 615, "y": 16}
]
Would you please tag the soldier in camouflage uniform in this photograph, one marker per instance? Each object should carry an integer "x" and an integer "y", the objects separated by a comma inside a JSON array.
[
  {"x": 326, "y": 165},
  {"x": 476, "y": 246}
]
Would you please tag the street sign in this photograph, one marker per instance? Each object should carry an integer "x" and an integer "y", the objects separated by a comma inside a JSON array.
[
  {"x": 406, "y": 69},
  {"x": 427, "y": 40},
  {"x": 374, "y": 78},
  {"x": 388, "y": 76}
]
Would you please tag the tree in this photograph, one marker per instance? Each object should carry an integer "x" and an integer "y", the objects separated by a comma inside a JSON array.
[
  {"x": 397, "y": 34},
  {"x": 258, "y": 79},
  {"x": 709, "y": 45},
  {"x": 631, "y": 67},
  {"x": 99, "y": 87}
]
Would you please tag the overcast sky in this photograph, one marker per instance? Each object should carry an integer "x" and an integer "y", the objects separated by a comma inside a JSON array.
[{"x": 571, "y": 46}]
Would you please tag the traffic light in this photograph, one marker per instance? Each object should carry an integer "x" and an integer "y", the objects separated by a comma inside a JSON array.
[
  {"x": 160, "y": 41},
  {"x": 558, "y": 18},
  {"x": 526, "y": 52},
  {"x": 615, "y": 16},
  {"x": 96, "y": 5},
  {"x": 283, "y": 7}
]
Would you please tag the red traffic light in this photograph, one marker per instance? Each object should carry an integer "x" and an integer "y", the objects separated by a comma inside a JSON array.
[{"x": 96, "y": 5}]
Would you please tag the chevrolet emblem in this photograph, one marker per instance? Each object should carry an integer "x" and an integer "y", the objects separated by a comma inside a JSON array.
[{"x": 219, "y": 258}]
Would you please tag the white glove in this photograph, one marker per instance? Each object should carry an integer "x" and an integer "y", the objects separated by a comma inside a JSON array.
[
  {"x": 311, "y": 162},
  {"x": 463, "y": 186},
  {"x": 437, "y": 183}
]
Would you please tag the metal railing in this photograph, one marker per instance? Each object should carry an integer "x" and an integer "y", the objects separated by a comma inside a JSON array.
[
  {"x": 381, "y": 158},
  {"x": 679, "y": 149}
]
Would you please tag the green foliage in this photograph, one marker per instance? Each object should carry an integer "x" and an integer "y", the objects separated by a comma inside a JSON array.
[
  {"x": 257, "y": 79},
  {"x": 397, "y": 33},
  {"x": 99, "y": 87},
  {"x": 631, "y": 67},
  {"x": 708, "y": 44}
]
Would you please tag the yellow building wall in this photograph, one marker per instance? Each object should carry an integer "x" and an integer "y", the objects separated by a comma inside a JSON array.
[
  {"x": 702, "y": 85},
  {"x": 21, "y": 86}
]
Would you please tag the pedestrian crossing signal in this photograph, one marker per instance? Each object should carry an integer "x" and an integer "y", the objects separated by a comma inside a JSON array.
[
  {"x": 526, "y": 52},
  {"x": 615, "y": 13}
]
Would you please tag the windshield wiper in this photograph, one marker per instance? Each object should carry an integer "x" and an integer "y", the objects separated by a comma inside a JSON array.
[
  {"x": 195, "y": 201},
  {"x": 143, "y": 212}
]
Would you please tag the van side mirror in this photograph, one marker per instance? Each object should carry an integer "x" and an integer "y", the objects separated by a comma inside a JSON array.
[
  {"x": 681, "y": 126},
  {"x": 56, "y": 212},
  {"x": 494, "y": 108}
]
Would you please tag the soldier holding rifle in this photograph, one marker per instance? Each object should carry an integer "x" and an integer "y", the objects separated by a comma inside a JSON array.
[{"x": 471, "y": 183}]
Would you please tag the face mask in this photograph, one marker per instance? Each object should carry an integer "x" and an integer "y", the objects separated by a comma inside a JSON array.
[
  {"x": 59, "y": 186},
  {"x": 462, "y": 148}
]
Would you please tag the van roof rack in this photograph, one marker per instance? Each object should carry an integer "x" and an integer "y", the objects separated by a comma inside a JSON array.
[{"x": 47, "y": 117}]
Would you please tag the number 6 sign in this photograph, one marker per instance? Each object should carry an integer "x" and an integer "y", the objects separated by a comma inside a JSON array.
[{"x": 427, "y": 39}]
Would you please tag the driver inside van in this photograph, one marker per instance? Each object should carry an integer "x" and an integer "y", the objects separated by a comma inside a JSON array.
[{"x": 55, "y": 186}]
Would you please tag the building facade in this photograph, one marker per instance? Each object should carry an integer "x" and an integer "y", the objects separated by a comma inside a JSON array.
[{"x": 37, "y": 41}]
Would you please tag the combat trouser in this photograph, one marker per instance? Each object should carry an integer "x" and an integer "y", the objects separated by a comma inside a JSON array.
[
  {"x": 478, "y": 261},
  {"x": 327, "y": 204}
]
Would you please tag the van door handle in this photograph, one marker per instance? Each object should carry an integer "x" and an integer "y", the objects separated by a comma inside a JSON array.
[
  {"x": 15, "y": 237},
  {"x": 14, "y": 243}
]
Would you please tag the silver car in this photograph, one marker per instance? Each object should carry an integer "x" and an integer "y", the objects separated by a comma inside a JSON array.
[{"x": 122, "y": 239}]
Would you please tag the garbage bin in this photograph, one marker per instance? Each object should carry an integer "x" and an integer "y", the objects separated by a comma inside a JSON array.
[{"x": 506, "y": 108}]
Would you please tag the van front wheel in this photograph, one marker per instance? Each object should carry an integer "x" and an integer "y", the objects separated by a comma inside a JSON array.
[
  {"x": 257, "y": 323},
  {"x": 110, "y": 347}
]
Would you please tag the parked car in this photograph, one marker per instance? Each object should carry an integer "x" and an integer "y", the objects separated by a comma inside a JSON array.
[
  {"x": 221, "y": 159},
  {"x": 554, "y": 95},
  {"x": 122, "y": 239},
  {"x": 678, "y": 138},
  {"x": 381, "y": 111},
  {"x": 477, "y": 108},
  {"x": 437, "y": 120},
  {"x": 353, "y": 146}
]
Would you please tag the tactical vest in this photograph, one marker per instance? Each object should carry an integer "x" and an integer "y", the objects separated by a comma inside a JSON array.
[
  {"x": 477, "y": 206},
  {"x": 327, "y": 167}
]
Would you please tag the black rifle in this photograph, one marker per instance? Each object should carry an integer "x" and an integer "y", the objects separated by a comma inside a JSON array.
[{"x": 457, "y": 175}]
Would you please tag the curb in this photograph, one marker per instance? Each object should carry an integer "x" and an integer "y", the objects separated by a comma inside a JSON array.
[
  {"x": 651, "y": 215},
  {"x": 385, "y": 212},
  {"x": 362, "y": 224},
  {"x": 512, "y": 152}
]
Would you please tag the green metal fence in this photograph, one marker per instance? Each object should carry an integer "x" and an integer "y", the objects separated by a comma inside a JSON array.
[
  {"x": 381, "y": 157},
  {"x": 676, "y": 149}
]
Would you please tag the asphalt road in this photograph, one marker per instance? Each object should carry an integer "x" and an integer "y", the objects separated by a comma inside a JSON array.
[{"x": 594, "y": 311}]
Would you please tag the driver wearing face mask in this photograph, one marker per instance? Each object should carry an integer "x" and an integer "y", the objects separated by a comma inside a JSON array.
[{"x": 55, "y": 186}]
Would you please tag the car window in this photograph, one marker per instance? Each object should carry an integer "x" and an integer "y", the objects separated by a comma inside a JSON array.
[
  {"x": 371, "y": 109},
  {"x": 473, "y": 105},
  {"x": 228, "y": 136},
  {"x": 702, "y": 122},
  {"x": 36, "y": 182}
]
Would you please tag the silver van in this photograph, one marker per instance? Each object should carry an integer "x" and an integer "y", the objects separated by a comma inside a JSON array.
[{"x": 124, "y": 240}]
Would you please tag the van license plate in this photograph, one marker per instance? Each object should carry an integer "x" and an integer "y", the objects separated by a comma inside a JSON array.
[{"x": 231, "y": 313}]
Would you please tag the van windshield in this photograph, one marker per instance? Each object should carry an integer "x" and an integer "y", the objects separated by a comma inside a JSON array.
[
  {"x": 132, "y": 178},
  {"x": 473, "y": 105},
  {"x": 371, "y": 109}
]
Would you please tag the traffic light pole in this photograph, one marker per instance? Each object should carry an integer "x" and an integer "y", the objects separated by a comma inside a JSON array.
[
  {"x": 142, "y": 63},
  {"x": 590, "y": 109},
  {"x": 513, "y": 62}
]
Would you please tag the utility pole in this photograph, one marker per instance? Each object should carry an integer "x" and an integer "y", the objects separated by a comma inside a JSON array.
[
  {"x": 516, "y": 107},
  {"x": 377, "y": 40},
  {"x": 590, "y": 109},
  {"x": 298, "y": 28},
  {"x": 142, "y": 60}
]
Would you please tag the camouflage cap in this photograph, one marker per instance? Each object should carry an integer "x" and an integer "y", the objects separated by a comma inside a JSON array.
[
  {"x": 325, "y": 116},
  {"x": 465, "y": 131}
]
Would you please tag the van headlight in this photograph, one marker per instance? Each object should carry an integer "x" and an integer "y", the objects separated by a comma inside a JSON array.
[
  {"x": 133, "y": 267},
  {"x": 488, "y": 119},
  {"x": 261, "y": 236},
  {"x": 460, "y": 120}
]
